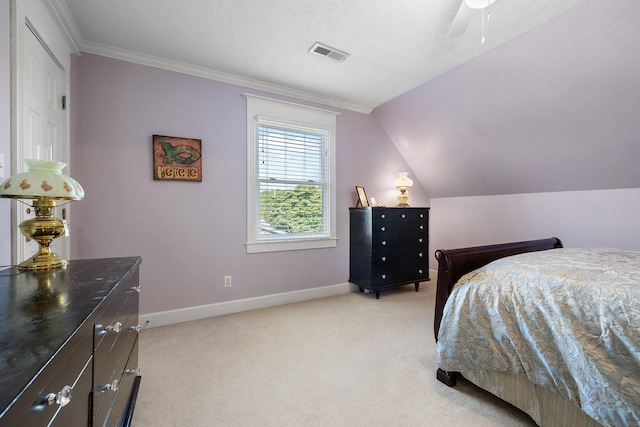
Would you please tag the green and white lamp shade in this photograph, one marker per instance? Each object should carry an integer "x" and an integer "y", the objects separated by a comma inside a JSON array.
[{"x": 44, "y": 179}]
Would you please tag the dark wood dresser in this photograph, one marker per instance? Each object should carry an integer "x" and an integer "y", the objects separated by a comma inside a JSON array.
[
  {"x": 388, "y": 247},
  {"x": 69, "y": 344}
]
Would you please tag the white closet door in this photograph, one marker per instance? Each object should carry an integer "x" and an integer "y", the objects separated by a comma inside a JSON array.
[{"x": 43, "y": 122}]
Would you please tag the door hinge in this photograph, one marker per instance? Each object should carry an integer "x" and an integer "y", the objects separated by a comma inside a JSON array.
[{"x": 64, "y": 102}]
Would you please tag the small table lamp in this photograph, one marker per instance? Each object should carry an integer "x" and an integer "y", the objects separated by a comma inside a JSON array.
[
  {"x": 402, "y": 183},
  {"x": 44, "y": 183}
]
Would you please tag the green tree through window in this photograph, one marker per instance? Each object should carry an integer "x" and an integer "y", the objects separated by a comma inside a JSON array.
[{"x": 293, "y": 211}]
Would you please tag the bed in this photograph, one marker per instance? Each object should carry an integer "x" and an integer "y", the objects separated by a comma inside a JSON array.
[{"x": 554, "y": 331}]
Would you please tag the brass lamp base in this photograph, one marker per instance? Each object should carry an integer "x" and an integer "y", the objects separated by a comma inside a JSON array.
[
  {"x": 44, "y": 228},
  {"x": 403, "y": 198},
  {"x": 41, "y": 261}
]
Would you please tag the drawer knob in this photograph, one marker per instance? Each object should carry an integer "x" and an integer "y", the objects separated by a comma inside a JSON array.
[
  {"x": 384, "y": 258},
  {"x": 135, "y": 328},
  {"x": 62, "y": 398},
  {"x": 132, "y": 371},
  {"x": 420, "y": 271},
  {"x": 383, "y": 228},
  {"x": 136, "y": 288},
  {"x": 403, "y": 216},
  {"x": 383, "y": 216},
  {"x": 422, "y": 227},
  {"x": 421, "y": 215},
  {"x": 116, "y": 327},
  {"x": 384, "y": 242},
  {"x": 384, "y": 276},
  {"x": 114, "y": 386},
  {"x": 420, "y": 240}
]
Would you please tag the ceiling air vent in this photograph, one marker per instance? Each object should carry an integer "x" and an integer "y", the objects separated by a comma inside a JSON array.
[{"x": 329, "y": 52}]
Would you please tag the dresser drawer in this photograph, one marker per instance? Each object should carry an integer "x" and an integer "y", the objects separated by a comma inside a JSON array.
[
  {"x": 413, "y": 273},
  {"x": 121, "y": 399},
  {"x": 111, "y": 357},
  {"x": 81, "y": 393},
  {"x": 399, "y": 266},
  {"x": 109, "y": 399},
  {"x": 108, "y": 356},
  {"x": 120, "y": 317},
  {"x": 399, "y": 258},
  {"x": 399, "y": 235},
  {"x": 32, "y": 408},
  {"x": 382, "y": 215},
  {"x": 395, "y": 277},
  {"x": 386, "y": 279},
  {"x": 106, "y": 315}
]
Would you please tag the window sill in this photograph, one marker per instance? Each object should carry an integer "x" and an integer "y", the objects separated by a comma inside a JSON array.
[{"x": 290, "y": 245}]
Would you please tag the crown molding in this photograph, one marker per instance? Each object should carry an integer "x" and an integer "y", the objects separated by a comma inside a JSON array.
[
  {"x": 61, "y": 17},
  {"x": 180, "y": 67}
]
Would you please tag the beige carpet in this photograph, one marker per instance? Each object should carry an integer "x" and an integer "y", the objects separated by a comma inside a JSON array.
[{"x": 348, "y": 360}]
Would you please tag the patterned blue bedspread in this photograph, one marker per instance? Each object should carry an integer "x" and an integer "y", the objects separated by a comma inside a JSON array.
[{"x": 568, "y": 319}]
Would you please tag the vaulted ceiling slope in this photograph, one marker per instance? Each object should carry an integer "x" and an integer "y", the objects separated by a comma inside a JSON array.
[
  {"x": 394, "y": 46},
  {"x": 556, "y": 109}
]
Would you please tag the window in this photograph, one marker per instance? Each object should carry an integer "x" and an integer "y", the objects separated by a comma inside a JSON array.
[{"x": 291, "y": 176}]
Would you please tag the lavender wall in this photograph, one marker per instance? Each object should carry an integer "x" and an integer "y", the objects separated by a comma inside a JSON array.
[
  {"x": 190, "y": 235},
  {"x": 599, "y": 218},
  {"x": 555, "y": 109},
  {"x": 5, "y": 130}
]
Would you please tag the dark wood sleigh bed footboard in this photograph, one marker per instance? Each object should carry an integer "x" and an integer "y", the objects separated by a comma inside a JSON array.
[{"x": 455, "y": 263}]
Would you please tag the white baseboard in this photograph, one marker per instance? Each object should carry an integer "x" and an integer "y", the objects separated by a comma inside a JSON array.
[
  {"x": 162, "y": 318},
  {"x": 169, "y": 317}
]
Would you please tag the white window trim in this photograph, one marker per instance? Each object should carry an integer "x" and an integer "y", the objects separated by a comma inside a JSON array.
[{"x": 291, "y": 113}]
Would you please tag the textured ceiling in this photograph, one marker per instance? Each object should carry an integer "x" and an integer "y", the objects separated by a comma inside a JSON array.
[{"x": 393, "y": 46}]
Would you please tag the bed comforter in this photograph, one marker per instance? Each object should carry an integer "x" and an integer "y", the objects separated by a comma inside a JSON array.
[{"x": 568, "y": 319}]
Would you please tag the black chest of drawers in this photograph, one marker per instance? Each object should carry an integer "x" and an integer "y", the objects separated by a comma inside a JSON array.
[
  {"x": 69, "y": 344},
  {"x": 388, "y": 247}
]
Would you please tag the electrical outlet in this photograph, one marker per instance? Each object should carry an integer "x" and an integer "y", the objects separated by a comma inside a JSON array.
[{"x": 227, "y": 281}]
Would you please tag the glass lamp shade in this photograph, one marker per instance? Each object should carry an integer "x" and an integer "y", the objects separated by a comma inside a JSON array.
[
  {"x": 402, "y": 182},
  {"x": 44, "y": 179},
  {"x": 44, "y": 183}
]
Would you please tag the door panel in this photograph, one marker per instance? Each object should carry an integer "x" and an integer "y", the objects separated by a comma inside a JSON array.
[{"x": 43, "y": 123}]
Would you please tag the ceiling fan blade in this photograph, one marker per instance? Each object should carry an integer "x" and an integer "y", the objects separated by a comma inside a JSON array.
[{"x": 461, "y": 20}]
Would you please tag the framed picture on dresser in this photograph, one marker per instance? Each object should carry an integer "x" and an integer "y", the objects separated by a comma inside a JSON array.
[{"x": 362, "y": 197}]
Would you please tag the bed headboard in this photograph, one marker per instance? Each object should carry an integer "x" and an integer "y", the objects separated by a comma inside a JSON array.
[{"x": 455, "y": 263}]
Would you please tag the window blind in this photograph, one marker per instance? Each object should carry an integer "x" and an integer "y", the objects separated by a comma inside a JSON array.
[{"x": 293, "y": 197}]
